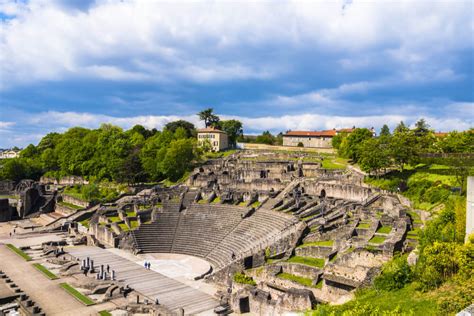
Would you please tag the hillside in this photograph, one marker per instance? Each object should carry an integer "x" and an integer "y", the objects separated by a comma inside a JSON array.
[{"x": 441, "y": 282}]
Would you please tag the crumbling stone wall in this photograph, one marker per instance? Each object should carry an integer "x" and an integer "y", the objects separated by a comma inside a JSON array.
[
  {"x": 73, "y": 200},
  {"x": 103, "y": 235}
]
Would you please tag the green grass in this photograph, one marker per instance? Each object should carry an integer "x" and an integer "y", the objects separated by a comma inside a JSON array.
[
  {"x": 349, "y": 250},
  {"x": 371, "y": 302},
  {"x": 13, "y": 197},
  {"x": 298, "y": 279},
  {"x": 76, "y": 195},
  {"x": 131, "y": 214},
  {"x": 363, "y": 225},
  {"x": 324, "y": 243},
  {"x": 384, "y": 230},
  {"x": 169, "y": 183},
  {"x": 19, "y": 252},
  {"x": 377, "y": 240},
  {"x": 114, "y": 219},
  {"x": 335, "y": 163},
  {"x": 76, "y": 294},
  {"x": 413, "y": 234},
  {"x": 255, "y": 204},
  {"x": 333, "y": 258},
  {"x": 202, "y": 201},
  {"x": 70, "y": 205},
  {"x": 125, "y": 228},
  {"x": 216, "y": 200},
  {"x": 50, "y": 275},
  {"x": 104, "y": 313},
  {"x": 219, "y": 154},
  {"x": 85, "y": 222},
  {"x": 243, "y": 203},
  {"x": 314, "y": 262},
  {"x": 243, "y": 279}
]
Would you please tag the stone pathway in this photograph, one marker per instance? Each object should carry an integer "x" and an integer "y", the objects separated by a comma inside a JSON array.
[
  {"x": 169, "y": 292},
  {"x": 50, "y": 297}
]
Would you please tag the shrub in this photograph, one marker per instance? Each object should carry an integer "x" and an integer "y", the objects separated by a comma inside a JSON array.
[
  {"x": 395, "y": 274},
  {"x": 455, "y": 296},
  {"x": 300, "y": 144},
  {"x": 241, "y": 278},
  {"x": 435, "y": 194},
  {"x": 438, "y": 262}
]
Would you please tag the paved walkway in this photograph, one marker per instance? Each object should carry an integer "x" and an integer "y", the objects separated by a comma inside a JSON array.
[
  {"x": 169, "y": 292},
  {"x": 46, "y": 293}
]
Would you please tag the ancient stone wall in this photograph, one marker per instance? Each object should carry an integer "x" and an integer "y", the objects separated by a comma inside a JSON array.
[
  {"x": 103, "y": 235},
  {"x": 70, "y": 180},
  {"x": 335, "y": 190},
  {"x": 73, "y": 200}
]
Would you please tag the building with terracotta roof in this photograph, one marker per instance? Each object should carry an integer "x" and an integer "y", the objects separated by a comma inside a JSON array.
[
  {"x": 218, "y": 139},
  {"x": 314, "y": 139},
  {"x": 441, "y": 134}
]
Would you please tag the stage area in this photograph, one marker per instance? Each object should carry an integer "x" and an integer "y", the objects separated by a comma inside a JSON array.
[{"x": 162, "y": 281}]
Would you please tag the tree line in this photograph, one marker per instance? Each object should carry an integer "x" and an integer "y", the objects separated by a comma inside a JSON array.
[
  {"x": 111, "y": 153},
  {"x": 402, "y": 147}
]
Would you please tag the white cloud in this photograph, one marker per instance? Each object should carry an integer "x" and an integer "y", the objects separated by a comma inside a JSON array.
[
  {"x": 4, "y": 125},
  {"x": 206, "y": 41},
  {"x": 60, "y": 120}
]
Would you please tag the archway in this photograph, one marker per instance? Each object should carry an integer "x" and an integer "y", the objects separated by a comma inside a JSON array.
[{"x": 322, "y": 194}]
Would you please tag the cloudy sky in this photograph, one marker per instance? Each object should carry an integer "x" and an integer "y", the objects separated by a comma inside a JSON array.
[{"x": 275, "y": 65}]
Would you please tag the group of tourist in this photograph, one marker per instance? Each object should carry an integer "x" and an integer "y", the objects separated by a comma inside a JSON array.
[{"x": 147, "y": 265}]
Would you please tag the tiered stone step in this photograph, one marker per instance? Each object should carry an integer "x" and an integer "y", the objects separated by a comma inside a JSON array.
[
  {"x": 169, "y": 292},
  {"x": 202, "y": 226},
  {"x": 157, "y": 236}
]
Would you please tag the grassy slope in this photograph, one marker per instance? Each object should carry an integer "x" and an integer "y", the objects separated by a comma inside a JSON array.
[
  {"x": 370, "y": 302},
  {"x": 406, "y": 301}
]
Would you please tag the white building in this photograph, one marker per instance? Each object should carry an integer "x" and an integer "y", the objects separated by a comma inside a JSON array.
[{"x": 6, "y": 154}]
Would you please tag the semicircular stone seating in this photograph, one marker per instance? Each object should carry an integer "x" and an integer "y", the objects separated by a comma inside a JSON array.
[{"x": 216, "y": 233}]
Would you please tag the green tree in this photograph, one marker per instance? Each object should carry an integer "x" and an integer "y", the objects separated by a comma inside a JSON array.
[
  {"x": 385, "y": 131},
  {"x": 337, "y": 140},
  {"x": 265, "y": 138},
  {"x": 234, "y": 129},
  {"x": 401, "y": 128},
  {"x": 187, "y": 126},
  {"x": 208, "y": 116},
  {"x": 180, "y": 133},
  {"x": 178, "y": 158},
  {"x": 421, "y": 128},
  {"x": 349, "y": 147},
  {"x": 29, "y": 152},
  {"x": 403, "y": 147},
  {"x": 373, "y": 156}
]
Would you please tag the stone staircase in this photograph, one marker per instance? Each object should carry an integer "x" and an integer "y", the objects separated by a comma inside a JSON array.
[
  {"x": 157, "y": 236},
  {"x": 270, "y": 203}
]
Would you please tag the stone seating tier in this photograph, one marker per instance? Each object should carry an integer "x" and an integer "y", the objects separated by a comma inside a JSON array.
[{"x": 211, "y": 231}]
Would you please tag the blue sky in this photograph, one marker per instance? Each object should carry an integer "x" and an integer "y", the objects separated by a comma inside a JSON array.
[{"x": 292, "y": 65}]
